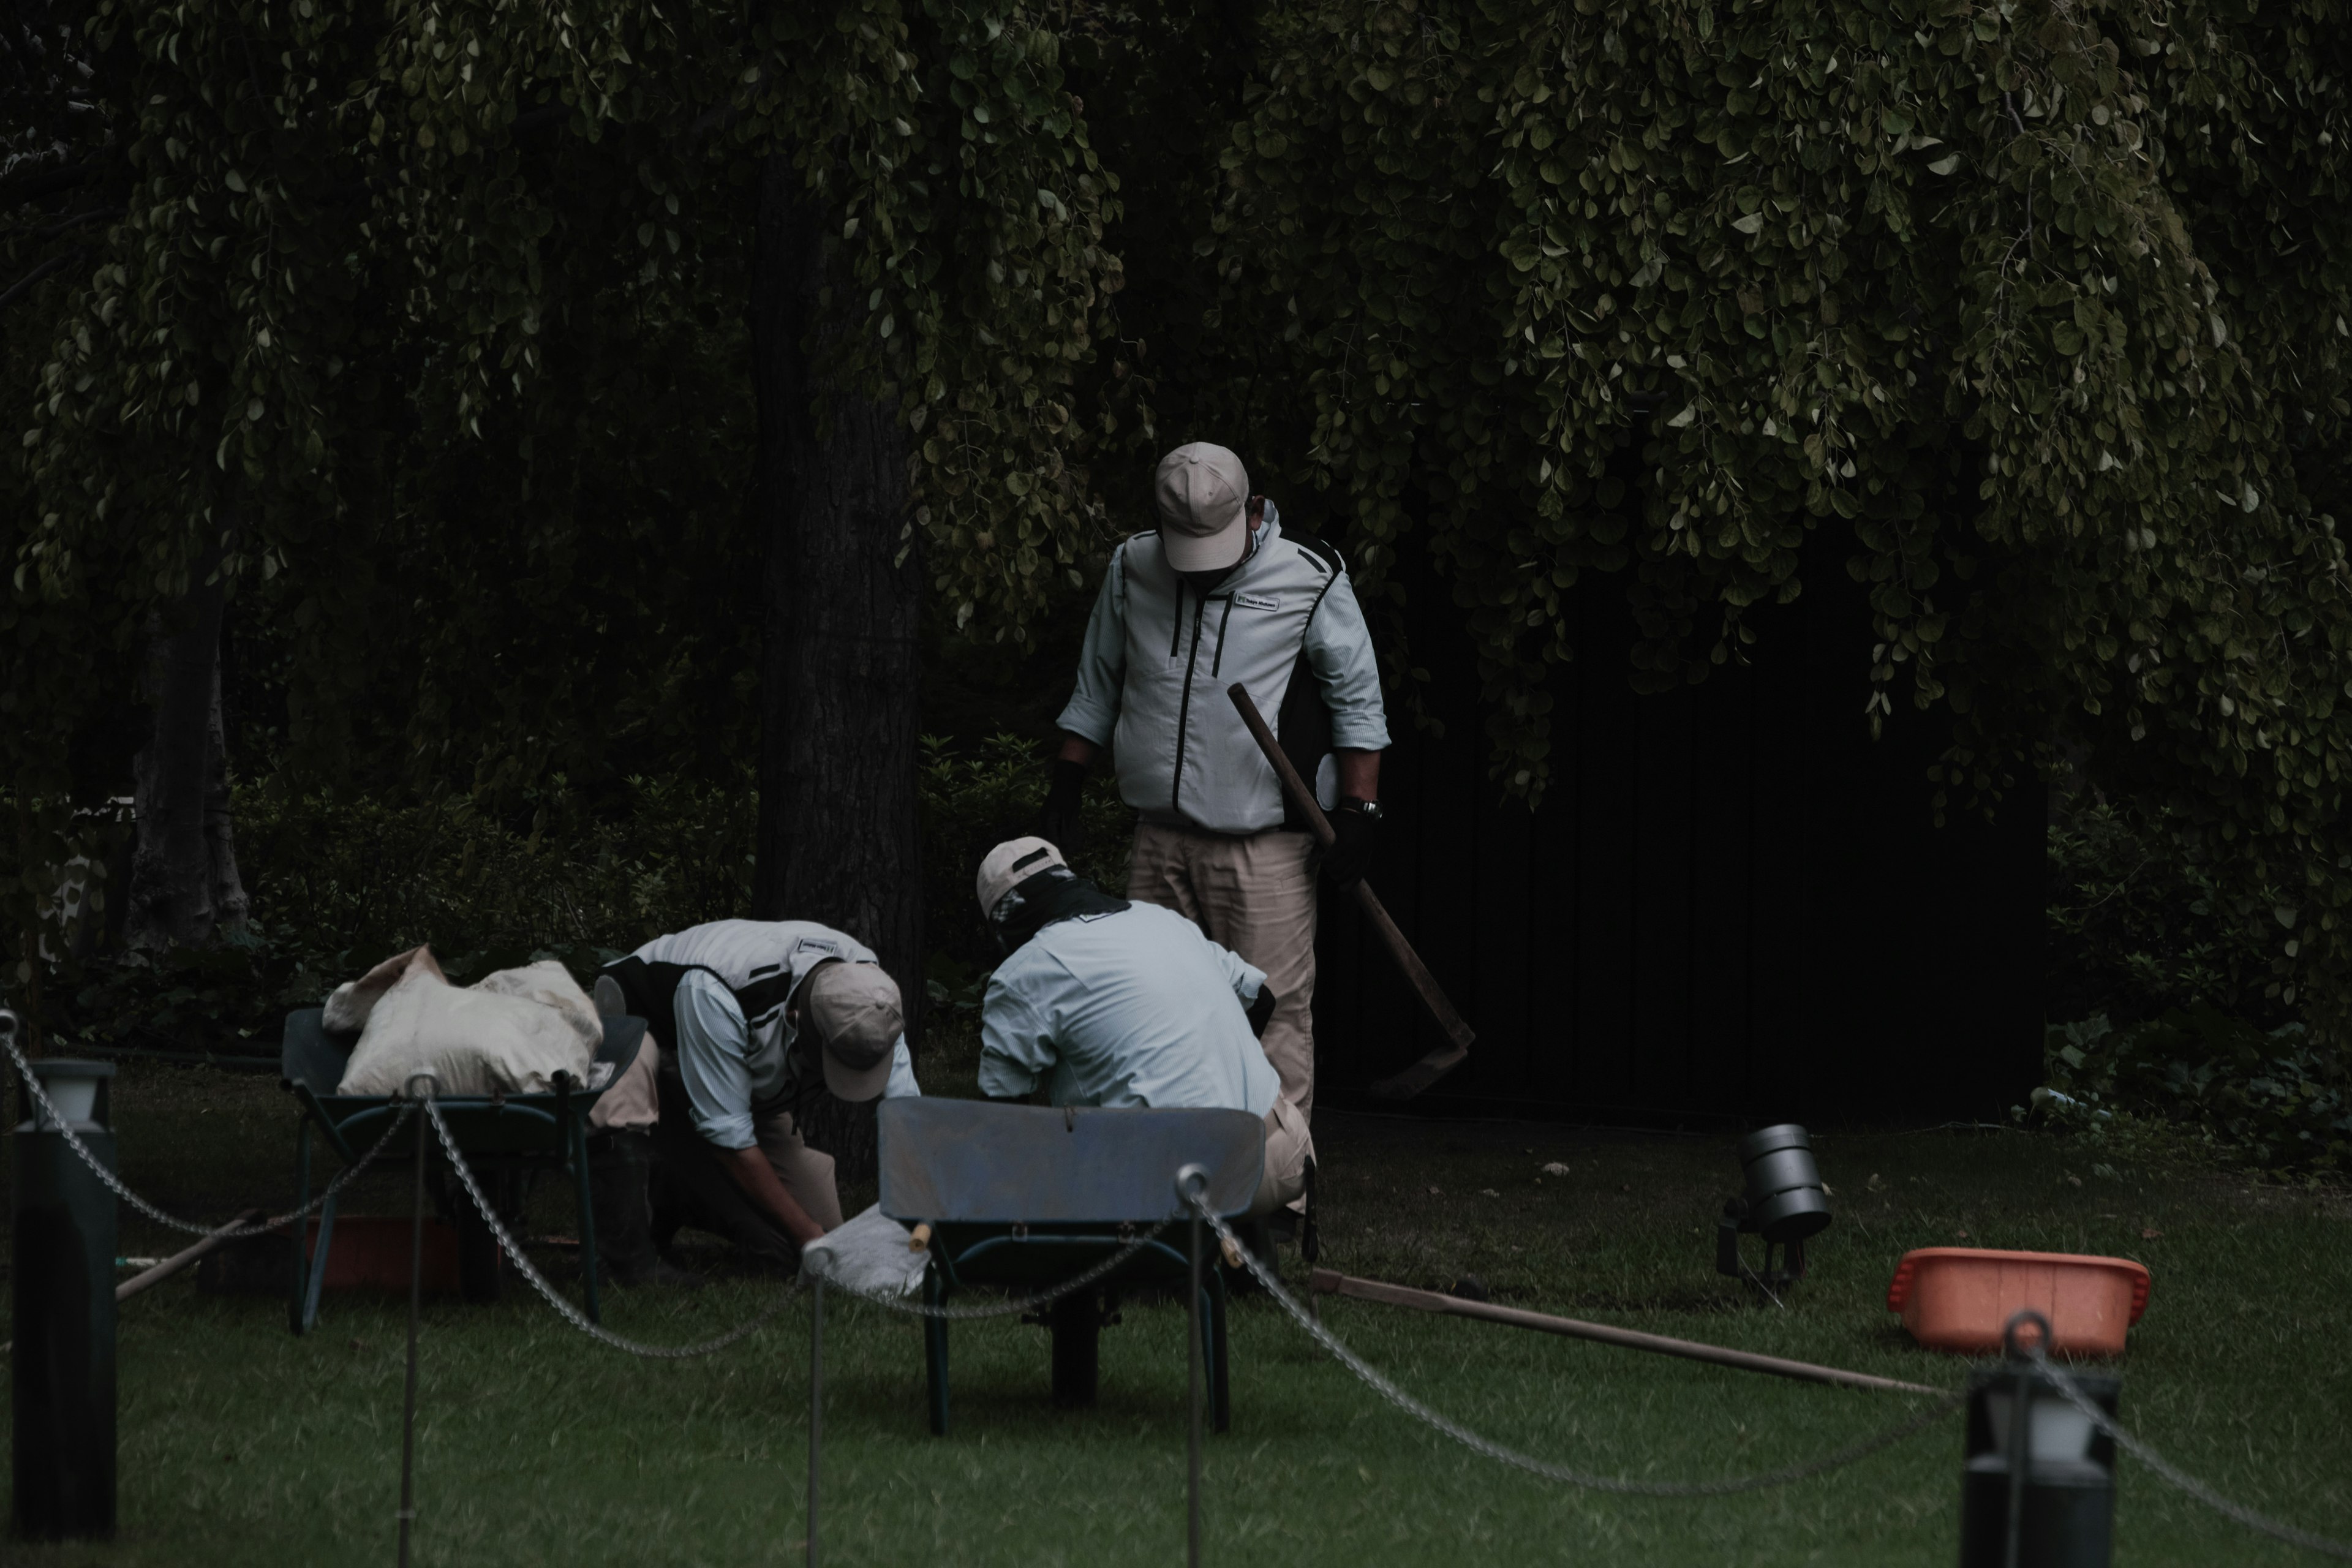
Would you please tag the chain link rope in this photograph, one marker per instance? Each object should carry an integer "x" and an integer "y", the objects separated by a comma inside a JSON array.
[
  {"x": 565, "y": 1309},
  {"x": 1007, "y": 1309},
  {"x": 579, "y": 1319},
  {"x": 1487, "y": 1448},
  {"x": 115, "y": 1185},
  {"x": 2172, "y": 1473}
]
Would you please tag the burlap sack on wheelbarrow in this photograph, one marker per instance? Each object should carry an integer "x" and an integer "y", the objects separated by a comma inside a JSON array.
[{"x": 509, "y": 1033}]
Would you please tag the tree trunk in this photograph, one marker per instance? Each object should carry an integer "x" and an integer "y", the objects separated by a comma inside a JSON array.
[
  {"x": 837, "y": 836},
  {"x": 184, "y": 888}
]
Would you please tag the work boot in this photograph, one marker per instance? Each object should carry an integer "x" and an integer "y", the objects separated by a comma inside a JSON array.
[{"x": 619, "y": 1166}]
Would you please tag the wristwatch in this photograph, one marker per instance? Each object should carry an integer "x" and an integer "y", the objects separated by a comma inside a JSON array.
[{"x": 1369, "y": 810}]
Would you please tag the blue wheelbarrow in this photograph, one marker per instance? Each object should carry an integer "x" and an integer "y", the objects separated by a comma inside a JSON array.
[
  {"x": 505, "y": 1138},
  {"x": 1024, "y": 1197}
]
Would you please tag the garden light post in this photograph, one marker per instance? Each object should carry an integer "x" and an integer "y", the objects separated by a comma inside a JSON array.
[
  {"x": 2038, "y": 1481},
  {"x": 63, "y": 1227}
]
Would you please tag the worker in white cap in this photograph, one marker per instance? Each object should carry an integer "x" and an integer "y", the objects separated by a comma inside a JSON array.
[
  {"x": 1104, "y": 1001},
  {"x": 1219, "y": 595},
  {"x": 746, "y": 1019}
]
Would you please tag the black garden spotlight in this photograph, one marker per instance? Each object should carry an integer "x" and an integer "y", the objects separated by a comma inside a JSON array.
[{"x": 1782, "y": 1202}]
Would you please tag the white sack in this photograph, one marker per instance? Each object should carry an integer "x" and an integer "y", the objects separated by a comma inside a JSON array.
[
  {"x": 550, "y": 984},
  {"x": 510, "y": 1033},
  {"x": 867, "y": 1256}
]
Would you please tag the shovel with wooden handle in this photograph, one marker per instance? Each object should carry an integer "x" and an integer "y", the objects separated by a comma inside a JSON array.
[{"x": 1445, "y": 1058}]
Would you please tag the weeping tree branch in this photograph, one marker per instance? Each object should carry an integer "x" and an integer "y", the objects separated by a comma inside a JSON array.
[{"x": 53, "y": 264}]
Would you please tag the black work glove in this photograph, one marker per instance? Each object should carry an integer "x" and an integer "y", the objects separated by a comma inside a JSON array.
[
  {"x": 1351, "y": 853},
  {"x": 1261, "y": 1011},
  {"x": 1057, "y": 823}
]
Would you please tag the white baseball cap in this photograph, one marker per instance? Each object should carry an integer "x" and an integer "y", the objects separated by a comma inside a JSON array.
[
  {"x": 1009, "y": 865},
  {"x": 1201, "y": 492},
  {"x": 857, "y": 1014}
]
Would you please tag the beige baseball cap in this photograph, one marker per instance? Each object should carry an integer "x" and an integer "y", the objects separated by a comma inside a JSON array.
[
  {"x": 856, "y": 1012},
  {"x": 1201, "y": 492},
  {"x": 1008, "y": 866}
]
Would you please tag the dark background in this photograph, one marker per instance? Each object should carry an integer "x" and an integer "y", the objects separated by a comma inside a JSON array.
[{"x": 1732, "y": 906}]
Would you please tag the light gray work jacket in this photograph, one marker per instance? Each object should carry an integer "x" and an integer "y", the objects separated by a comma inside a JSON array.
[
  {"x": 739, "y": 1067},
  {"x": 1159, "y": 657}
]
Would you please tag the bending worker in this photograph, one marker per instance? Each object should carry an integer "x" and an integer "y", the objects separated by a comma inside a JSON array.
[
  {"x": 745, "y": 1020},
  {"x": 1217, "y": 595},
  {"x": 1102, "y": 1002}
]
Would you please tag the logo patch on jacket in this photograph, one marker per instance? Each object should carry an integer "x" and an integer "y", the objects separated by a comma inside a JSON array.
[{"x": 1258, "y": 601}]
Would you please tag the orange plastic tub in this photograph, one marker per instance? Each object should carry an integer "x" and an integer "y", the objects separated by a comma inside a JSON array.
[{"x": 1961, "y": 1298}]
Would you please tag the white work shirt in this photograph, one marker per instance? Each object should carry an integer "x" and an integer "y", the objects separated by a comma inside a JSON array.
[{"x": 1134, "y": 1007}]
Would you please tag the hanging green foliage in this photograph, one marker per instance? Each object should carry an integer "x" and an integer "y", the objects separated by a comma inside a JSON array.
[
  {"x": 2038, "y": 309},
  {"x": 356, "y": 246}
]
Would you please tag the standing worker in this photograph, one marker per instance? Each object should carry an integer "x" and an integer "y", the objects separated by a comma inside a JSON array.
[{"x": 1217, "y": 595}]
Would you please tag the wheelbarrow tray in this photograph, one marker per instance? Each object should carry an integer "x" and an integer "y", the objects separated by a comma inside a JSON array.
[
  {"x": 498, "y": 1133},
  {"x": 1029, "y": 1196}
]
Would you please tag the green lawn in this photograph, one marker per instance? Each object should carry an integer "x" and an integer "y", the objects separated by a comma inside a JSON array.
[{"x": 242, "y": 1444}]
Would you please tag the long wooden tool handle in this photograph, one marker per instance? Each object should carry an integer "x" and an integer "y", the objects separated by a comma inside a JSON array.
[
  {"x": 1329, "y": 1282},
  {"x": 162, "y": 1271},
  {"x": 1302, "y": 799}
]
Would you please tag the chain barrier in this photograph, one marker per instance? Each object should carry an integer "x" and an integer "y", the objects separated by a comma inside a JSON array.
[
  {"x": 1046, "y": 1298},
  {"x": 2174, "y": 1473},
  {"x": 579, "y": 1319},
  {"x": 1486, "y": 1449},
  {"x": 565, "y": 1309},
  {"x": 114, "y": 1183}
]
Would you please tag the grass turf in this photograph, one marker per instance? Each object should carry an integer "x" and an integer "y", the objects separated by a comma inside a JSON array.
[{"x": 242, "y": 1444}]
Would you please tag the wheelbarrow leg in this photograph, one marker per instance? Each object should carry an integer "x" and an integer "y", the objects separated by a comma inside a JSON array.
[
  {"x": 294, "y": 1322},
  {"x": 578, "y": 1137},
  {"x": 477, "y": 1248},
  {"x": 318, "y": 1265},
  {"x": 935, "y": 1351},
  {"x": 1221, "y": 1399},
  {"x": 1076, "y": 1321}
]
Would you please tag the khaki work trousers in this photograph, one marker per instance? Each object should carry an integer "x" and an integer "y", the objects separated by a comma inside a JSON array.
[
  {"x": 632, "y": 1104},
  {"x": 1256, "y": 896},
  {"x": 1288, "y": 1147}
]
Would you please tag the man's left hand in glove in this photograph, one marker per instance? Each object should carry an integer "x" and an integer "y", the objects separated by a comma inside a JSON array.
[{"x": 1356, "y": 823}]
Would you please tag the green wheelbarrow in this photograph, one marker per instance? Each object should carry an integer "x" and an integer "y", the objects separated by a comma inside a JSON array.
[
  {"x": 505, "y": 1139},
  {"x": 1024, "y": 1197}
]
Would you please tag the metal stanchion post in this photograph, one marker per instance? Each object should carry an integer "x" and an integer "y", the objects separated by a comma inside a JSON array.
[
  {"x": 62, "y": 1381},
  {"x": 2020, "y": 1458},
  {"x": 2038, "y": 1481},
  {"x": 416, "y": 1310},
  {"x": 817, "y": 1402},
  {"x": 1192, "y": 1181}
]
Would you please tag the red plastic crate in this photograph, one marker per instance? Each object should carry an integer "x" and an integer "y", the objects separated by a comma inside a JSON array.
[{"x": 1961, "y": 1298}]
